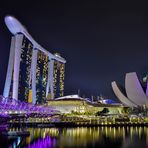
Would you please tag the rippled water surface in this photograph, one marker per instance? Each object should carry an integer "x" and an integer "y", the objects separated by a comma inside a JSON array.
[{"x": 79, "y": 137}]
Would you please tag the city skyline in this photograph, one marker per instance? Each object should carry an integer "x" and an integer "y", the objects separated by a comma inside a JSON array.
[{"x": 101, "y": 41}]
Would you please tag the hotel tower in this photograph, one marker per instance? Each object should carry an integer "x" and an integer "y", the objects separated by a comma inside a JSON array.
[{"x": 34, "y": 74}]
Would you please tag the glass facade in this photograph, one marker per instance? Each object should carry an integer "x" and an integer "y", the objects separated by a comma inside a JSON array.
[
  {"x": 41, "y": 77},
  {"x": 30, "y": 73},
  {"x": 25, "y": 70},
  {"x": 59, "y": 71}
]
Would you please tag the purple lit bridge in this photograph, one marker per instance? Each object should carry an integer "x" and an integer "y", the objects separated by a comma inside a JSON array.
[{"x": 12, "y": 108}]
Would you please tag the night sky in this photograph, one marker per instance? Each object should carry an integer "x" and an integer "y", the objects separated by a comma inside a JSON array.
[{"x": 101, "y": 41}]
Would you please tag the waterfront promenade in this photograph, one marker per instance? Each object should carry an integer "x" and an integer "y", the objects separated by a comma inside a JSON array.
[
  {"x": 17, "y": 113},
  {"x": 54, "y": 121}
]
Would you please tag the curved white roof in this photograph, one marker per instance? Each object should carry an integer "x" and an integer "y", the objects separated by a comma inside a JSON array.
[
  {"x": 69, "y": 97},
  {"x": 15, "y": 27},
  {"x": 134, "y": 89},
  {"x": 121, "y": 96}
]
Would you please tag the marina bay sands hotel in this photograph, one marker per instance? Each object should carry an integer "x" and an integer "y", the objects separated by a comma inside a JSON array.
[{"x": 33, "y": 74}]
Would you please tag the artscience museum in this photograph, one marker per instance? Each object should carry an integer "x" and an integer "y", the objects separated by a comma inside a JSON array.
[{"x": 134, "y": 95}]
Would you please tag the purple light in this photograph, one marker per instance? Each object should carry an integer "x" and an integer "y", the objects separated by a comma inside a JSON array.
[
  {"x": 10, "y": 104},
  {"x": 43, "y": 143}
]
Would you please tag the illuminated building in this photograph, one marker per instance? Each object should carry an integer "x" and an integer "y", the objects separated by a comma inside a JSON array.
[
  {"x": 59, "y": 71},
  {"x": 134, "y": 91},
  {"x": 31, "y": 74},
  {"x": 74, "y": 103}
]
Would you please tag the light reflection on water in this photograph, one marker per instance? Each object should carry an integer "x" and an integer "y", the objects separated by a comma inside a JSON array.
[{"x": 119, "y": 137}]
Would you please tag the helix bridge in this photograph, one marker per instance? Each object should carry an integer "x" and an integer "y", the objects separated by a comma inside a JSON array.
[{"x": 12, "y": 108}]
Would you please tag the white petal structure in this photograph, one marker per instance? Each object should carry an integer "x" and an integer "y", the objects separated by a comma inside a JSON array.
[
  {"x": 134, "y": 89},
  {"x": 121, "y": 96},
  {"x": 135, "y": 93},
  {"x": 147, "y": 89}
]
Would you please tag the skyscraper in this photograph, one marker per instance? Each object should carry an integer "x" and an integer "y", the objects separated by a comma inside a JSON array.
[
  {"x": 59, "y": 71},
  {"x": 31, "y": 72}
]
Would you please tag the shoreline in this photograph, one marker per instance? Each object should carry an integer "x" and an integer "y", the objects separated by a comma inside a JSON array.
[{"x": 74, "y": 124}]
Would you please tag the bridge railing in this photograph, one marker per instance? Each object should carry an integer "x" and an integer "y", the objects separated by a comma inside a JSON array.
[{"x": 10, "y": 105}]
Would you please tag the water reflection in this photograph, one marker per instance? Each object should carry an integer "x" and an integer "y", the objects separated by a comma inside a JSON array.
[{"x": 119, "y": 137}]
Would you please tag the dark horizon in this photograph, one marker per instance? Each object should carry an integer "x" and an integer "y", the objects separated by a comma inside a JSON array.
[{"x": 100, "y": 41}]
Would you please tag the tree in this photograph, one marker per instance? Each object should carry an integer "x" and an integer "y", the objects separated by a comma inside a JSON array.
[
  {"x": 125, "y": 110},
  {"x": 103, "y": 112}
]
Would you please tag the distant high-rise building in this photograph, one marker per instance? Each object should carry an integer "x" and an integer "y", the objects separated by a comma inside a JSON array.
[{"x": 32, "y": 70}]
